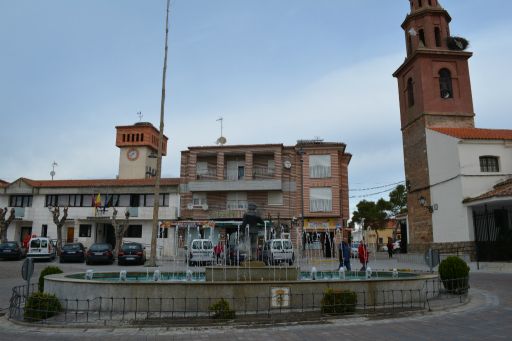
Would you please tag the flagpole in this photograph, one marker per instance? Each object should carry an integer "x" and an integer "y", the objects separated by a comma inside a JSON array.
[{"x": 156, "y": 196}]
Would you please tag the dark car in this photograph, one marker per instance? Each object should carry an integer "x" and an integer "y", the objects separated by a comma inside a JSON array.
[
  {"x": 236, "y": 255},
  {"x": 74, "y": 252},
  {"x": 99, "y": 253},
  {"x": 131, "y": 253},
  {"x": 12, "y": 250}
]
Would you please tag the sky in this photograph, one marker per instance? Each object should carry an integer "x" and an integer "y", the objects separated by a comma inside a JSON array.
[{"x": 276, "y": 70}]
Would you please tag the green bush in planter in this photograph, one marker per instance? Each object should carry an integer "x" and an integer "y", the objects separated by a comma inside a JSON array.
[
  {"x": 454, "y": 273},
  {"x": 49, "y": 270},
  {"x": 40, "y": 306},
  {"x": 339, "y": 301},
  {"x": 221, "y": 310}
]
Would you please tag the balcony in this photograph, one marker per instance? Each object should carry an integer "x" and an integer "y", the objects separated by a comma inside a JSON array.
[
  {"x": 263, "y": 172},
  {"x": 235, "y": 185},
  {"x": 207, "y": 174}
]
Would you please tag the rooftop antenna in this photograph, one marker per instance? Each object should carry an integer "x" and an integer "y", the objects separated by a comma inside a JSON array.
[
  {"x": 221, "y": 140},
  {"x": 52, "y": 173},
  {"x": 139, "y": 113}
]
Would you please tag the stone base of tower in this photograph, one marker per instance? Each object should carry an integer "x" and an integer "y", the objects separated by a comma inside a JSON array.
[
  {"x": 453, "y": 248},
  {"x": 461, "y": 248}
]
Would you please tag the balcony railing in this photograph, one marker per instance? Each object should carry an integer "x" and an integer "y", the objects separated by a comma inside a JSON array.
[
  {"x": 236, "y": 205},
  {"x": 207, "y": 174},
  {"x": 263, "y": 172}
]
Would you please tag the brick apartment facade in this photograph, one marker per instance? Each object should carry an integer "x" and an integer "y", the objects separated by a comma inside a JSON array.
[{"x": 219, "y": 183}]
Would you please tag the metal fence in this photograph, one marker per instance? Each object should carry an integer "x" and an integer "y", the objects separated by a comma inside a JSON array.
[{"x": 193, "y": 310}]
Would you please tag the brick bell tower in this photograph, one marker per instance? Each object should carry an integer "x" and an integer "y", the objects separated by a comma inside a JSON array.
[{"x": 434, "y": 91}]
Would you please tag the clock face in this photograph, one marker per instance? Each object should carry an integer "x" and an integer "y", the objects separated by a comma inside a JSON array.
[
  {"x": 132, "y": 154},
  {"x": 287, "y": 164}
]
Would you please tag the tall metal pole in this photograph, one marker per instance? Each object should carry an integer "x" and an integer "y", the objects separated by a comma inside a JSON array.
[{"x": 156, "y": 196}]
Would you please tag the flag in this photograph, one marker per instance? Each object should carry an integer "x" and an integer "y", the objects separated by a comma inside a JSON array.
[{"x": 97, "y": 202}]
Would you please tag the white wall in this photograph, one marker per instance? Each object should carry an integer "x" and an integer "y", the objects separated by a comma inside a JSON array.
[{"x": 454, "y": 173}]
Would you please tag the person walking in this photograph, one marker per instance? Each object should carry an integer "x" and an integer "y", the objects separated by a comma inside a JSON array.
[
  {"x": 390, "y": 248},
  {"x": 363, "y": 255},
  {"x": 345, "y": 254}
]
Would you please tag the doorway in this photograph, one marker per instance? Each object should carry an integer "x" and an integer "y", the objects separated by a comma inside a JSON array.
[{"x": 70, "y": 237}]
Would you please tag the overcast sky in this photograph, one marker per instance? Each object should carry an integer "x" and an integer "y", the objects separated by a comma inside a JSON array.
[{"x": 276, "y": 70}]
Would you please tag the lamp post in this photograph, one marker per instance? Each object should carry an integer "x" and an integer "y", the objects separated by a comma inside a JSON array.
[{"x": 156, "y": 196}]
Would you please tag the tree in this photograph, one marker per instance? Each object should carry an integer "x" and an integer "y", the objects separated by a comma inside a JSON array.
[
  {"x": 373, "y": 213},
  {"x": 119, "y": 229},
  {"x": 59, "y": 222},
  {"x": 4, "y": 223},
  {"x": 398, "y": 200}
]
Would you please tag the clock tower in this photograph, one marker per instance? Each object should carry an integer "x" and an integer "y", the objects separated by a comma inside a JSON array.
[
  {"x": 138, "y": 148},
  {"x": 434, "y": 91}
]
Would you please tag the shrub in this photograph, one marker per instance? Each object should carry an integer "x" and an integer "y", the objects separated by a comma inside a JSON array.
[
  {"x": 221, "y": 310},
  {"x": 339, "y": 301},
  {"x": 454, "y": 273},
  {"x": 40, "y": 306},
  {"x": 49, "y": 270}
]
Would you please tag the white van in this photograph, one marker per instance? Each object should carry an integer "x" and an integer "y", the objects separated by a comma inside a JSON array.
[
  {"x": 41, "y": 248},
  {"x": 201, "y": 251},
  {"x": 278, "y": 251}
]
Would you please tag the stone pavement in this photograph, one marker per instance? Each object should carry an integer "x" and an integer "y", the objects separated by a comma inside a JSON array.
[{"x": 486, "y": 315}]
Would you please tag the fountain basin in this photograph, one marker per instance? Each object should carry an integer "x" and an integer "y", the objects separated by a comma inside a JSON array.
[{"x": 105, "y": 292}]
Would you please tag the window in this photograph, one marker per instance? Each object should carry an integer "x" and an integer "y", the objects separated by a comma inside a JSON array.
[
  {"x": 445, "y": 83},
  {"x": 235, "y": 170},
  {"x": 275, "y": 198},
  {"x": 320, "y": 199},
  {"x": 489, "y": 164},
  {"x": 437, "y": 34},
  {"x": 134, "y": 231},
  {"x": 236, "y": 201},
  {"x": 410, "y": 93},
  {"x": 163, "y": 232},
  {"x": 409, "y": 44},
  {"x": 320, "y": 166},
  {"x": 271, "y": 166},
  {"x": 199, "y": 199},
  {"x": 422, "y": 38},
  {"x": 44, "y": 230},
  {"x": 202, "y": 168},
  {"x": 20, "y": 201},
  {"x": 148, "y": 200},
  {"x": 84, "y": 230}
]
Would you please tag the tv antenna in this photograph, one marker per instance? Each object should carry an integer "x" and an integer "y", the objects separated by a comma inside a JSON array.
[
  {"x": 139, "y": 113},
  {"x": 221, "y": 140},
  {"x": 52, "y": 173}
]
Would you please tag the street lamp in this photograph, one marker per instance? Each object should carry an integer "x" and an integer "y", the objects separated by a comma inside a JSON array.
[{"x": 423, "y": 203}]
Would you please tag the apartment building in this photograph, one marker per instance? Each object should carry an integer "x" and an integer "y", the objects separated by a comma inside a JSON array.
[{"x": 299, "y": 191}]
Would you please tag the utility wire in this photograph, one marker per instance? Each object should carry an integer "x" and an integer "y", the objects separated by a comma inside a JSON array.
[
  {"x": 369, "y": 194},
  {"x": 370, "y": 188}
]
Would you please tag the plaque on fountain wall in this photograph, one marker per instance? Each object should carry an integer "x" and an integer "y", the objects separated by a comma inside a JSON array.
[{"x": 280, "y": 297}]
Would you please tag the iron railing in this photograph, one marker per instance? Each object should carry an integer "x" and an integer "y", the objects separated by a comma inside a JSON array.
[{"x": 186, "y": 310}]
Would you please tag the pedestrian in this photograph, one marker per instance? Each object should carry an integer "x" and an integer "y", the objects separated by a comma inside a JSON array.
[
  {"x": 345, "y": 253},
  {"x": 218, "y": 251},
  {"x": 363, "y": 254},
  {"x": 390, "y": 249}
]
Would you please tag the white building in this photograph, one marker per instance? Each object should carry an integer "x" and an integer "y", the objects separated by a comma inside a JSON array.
[
  {"x": 470, "y": 171},
  {"x": 89, "y": 220}
]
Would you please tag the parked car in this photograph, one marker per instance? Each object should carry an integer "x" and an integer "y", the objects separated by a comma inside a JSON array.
[
  {"x": 99, "y": 253},
  {"x": 73, "y": 252},
  {"x": 201, "y": 252},
  {"x": 278, "y": 251},
  {"x": 41, "y": 248},
  {"x": 236, "y": 255},
  {"x": 12, "y": 250},
  {"x": 131, "y": 253}
]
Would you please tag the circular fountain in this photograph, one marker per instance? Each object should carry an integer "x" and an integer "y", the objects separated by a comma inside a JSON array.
[{"x": 253, "y": 286}]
